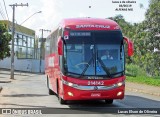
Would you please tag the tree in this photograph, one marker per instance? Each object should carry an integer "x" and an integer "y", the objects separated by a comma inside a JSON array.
[
  {"x": 153, "y": 42},
  {"x": 144, "y": 37},
  {"x": 153, "y": 23},
  {"x": 127, "y": 30},
  {"x": 5, "y": 38}
]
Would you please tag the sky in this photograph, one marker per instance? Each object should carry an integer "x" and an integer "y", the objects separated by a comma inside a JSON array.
[{"x": 53, "y": 11}]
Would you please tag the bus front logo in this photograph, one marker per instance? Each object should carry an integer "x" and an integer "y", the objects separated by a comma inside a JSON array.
[{"x": 95, "y": 88}]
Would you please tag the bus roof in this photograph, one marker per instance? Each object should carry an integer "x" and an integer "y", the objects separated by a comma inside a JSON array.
[{"x": 89, "y": 24}]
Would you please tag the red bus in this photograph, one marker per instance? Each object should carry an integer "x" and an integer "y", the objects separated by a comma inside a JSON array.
[{"x": 85, "y": 60}]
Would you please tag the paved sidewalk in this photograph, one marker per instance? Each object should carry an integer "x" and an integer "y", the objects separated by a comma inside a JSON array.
[
  {"x": 5, "y": 77},
  {"x": 142, "y": 88},
  {"x": 133, "y": 87}
]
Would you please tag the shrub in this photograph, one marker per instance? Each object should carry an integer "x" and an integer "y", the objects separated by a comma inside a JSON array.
[{"x": 134, "y": 70}]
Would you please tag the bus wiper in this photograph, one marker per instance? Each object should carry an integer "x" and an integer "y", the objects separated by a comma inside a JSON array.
[
  {"x": 85, "y": 69},
  {"x": 104, "y": 67},
  {"x": 118, "y": 74},
  {"x": 76, "y": 75}
]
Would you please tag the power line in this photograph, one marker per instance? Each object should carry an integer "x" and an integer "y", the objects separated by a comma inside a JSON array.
[
  {"x": 1, "y": 12},
  {"x": 5, "y": 9},
  {"x": 2, "y": 15},
  {"x": 9, "y": 23}
]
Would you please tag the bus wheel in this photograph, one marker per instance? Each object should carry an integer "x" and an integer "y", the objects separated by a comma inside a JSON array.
[
  {"x": 110, "y": 101},
  {"x": 50, "y": 91},
  {"x": 61, "y": 101}
]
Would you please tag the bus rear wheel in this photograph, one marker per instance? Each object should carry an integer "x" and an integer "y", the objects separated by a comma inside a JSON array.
[
  {"x": 110, "y": 101},
  {"x": 61, "y": 101},
  {"x": 50, "y": 91}
]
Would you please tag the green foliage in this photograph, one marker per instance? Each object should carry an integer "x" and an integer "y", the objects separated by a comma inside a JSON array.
[
  {"x": 134, "y": 70},
  {"x": 5, "y": 38},
  {"x": 144, "y": 39},
  {"x": 152, "y": 42}
]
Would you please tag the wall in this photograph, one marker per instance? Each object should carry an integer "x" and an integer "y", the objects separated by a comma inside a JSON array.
[{"x": 28, "y": 65}]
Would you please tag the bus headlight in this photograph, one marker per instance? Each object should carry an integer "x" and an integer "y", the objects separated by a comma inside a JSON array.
[
  {"x": 119, "y": 93},
  {"x": 70, "y": 93},
  {"x": 70, "y": 84},
  {"x": 120, "y": 84}
]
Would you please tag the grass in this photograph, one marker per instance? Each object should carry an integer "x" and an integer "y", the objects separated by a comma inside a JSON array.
[
  {"x": 136, "y": 74},
  {"x": 154, "y": 81}
]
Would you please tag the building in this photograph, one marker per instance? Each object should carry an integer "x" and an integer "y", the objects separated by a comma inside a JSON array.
[
  {"x": 24, "y": 40},
  {"x": 26, "y": 51}
]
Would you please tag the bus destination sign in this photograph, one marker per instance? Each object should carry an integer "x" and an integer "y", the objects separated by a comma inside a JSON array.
[{"x": 79, "y": 34}]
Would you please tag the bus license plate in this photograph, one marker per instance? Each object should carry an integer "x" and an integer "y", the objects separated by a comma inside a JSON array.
[{"x": 95, "y": 94}]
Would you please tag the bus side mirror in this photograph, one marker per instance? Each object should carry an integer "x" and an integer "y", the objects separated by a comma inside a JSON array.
[
  {"x": 60, "y": 46},
  {"x": 130, "y": 46}
]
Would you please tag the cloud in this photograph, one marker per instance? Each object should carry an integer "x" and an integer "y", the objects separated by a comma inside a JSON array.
[
  {"x": 54, "y": 10},
  {"x": 82, "y": 15},
  {"x": 51, "y": 14},
  {"x": 48, "y": 19}
]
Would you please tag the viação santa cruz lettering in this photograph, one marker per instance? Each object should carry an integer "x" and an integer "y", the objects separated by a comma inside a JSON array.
[{"x": 92, "y": 26}]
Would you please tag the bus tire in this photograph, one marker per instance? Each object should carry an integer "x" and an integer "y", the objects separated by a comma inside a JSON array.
[
  {"x": 109, "y": 101},
  {"x": 50, "y": 91},
  {"x": 61, "y": 101}
]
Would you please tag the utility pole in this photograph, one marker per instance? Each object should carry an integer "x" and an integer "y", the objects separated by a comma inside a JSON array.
[
  {"x": 42, "y": 43},
  {"x": 13, "y": 31}
]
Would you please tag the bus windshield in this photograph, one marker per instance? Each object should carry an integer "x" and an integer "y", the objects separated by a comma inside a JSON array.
[{"x": 94, "y": 53}]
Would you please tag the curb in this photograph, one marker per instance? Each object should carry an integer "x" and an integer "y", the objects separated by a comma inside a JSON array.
[{"x": 5, "y": 81}]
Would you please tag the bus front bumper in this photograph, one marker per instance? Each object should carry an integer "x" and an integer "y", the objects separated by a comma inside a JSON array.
[{"x": 93, "y": 93}]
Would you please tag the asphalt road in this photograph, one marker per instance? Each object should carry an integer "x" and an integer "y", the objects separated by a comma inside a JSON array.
[{"x": 30, "y": 91}]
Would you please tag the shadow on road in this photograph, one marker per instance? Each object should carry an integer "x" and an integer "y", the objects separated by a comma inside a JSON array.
[
  {"x": 20, "y": 74},
  {"x": 18, "y": 105},
  {"x": 128, "y": 102},
  {"x": 140, "y": 102},
  {"x": 89, "y": 103},
  {"x": 86, "y": 107},
  {"x": 24, "y": 95}
]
